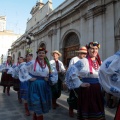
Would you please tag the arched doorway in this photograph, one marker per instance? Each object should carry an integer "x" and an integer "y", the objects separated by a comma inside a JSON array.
[
  {"x": 117, "y": 36},
  {"x": 71, "y": 44}
]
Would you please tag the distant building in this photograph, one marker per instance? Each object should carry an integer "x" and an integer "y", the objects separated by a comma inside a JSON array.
[
  {"x": 2, "y": 23},
  {"x": 7, "y": 37},
  {"x": 70, "y": 25}
]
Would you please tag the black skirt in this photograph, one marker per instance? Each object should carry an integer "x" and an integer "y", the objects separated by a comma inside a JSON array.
[
  {"x": 6, "y": 79},
  {"x": 91, "y": 103},
  {"x": 16, "y": 84}
]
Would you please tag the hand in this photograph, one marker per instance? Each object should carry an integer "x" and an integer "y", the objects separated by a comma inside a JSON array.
[
  {"x": 32, "y": 79},
  {"x": 85, "y": 85}
]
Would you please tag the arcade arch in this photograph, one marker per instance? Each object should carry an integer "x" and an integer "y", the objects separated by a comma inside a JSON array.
[{"x": 70, "y": 45}]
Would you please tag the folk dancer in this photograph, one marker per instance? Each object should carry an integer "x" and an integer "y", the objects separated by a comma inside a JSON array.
[
  {"x": 6, "y": 79},
  {"x": 82, "y": 52},
  {"x": 16, "y": 82},
  {"x": 56, "y": 88},
  {"x": 109, "y": 78},
  {"x": 90, "y": 97},
  {"x": 40, "y": 75}
]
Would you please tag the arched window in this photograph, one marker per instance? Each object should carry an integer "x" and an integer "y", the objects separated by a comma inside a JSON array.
[
  {"x": 71, "y": 39},
  {"x": 71, "y": 44}
]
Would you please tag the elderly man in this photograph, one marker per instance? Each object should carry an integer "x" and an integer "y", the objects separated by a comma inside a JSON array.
[{"x": 56, "y": 89}]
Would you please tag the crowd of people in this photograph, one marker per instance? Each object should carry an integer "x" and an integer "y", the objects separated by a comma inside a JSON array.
[{"x": 39, "y": 82}]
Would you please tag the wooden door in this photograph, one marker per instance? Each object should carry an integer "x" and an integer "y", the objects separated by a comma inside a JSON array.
[
  {"x": 69, "y": 53},
  {"x": 71, "y": 44}
]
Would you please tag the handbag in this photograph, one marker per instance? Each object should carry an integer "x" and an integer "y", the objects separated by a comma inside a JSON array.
[{"x": 72, "y": 101}]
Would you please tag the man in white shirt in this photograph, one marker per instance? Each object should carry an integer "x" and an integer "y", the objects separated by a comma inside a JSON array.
[{"x": 82, "y": 52}]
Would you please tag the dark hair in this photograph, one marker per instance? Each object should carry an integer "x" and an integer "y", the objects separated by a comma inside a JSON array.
[
  {"x": 9, "y": 57},
  {"x": 30, "y": 54},
  {"x": 21, "y": 57}
]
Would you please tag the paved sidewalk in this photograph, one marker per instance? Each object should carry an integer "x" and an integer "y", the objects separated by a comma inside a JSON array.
[{"x": 10, "y": 109}]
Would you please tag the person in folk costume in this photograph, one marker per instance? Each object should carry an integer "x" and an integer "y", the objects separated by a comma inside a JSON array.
[
  {"x": 109, "y": 78},
  {"x": 16, "y": 82},
  {"x": 6, "y": 79},
  {"x": 94, "y": 100},
  {"x": 82, "y": 52},
  {"x": 23, "y": 89},
  {"x": 56, "y": 89},
  {"x": 90, "y": 97},
  {"x": 24, "y": 84},
  {"x": 39, "y": 75}
]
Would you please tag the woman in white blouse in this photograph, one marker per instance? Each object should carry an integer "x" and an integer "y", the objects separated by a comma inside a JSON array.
[
  {"x": 40, "y": 75},
  {"x": 6, "y": 79},
  {"x": 90, "y": 97}
]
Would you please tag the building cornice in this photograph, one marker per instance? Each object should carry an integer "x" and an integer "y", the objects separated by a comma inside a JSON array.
[{"x": 96, "y": 11}]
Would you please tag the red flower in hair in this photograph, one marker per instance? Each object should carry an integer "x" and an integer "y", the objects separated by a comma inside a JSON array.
[{"x": 41, "y": 49}]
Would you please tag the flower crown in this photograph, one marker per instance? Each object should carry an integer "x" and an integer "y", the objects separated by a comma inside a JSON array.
[
  {"x": 29, "y": 51},
  {"x": 92, "y": 44},
  {"x": 41, "y": 49}
]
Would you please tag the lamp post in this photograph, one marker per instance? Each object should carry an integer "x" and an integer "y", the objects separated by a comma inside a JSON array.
[
  {"x": 29, "y": 38},
  {"x": 9, "y": 52}
]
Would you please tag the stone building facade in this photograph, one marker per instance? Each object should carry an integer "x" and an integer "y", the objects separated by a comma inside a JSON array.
[
  {"x": 7, "y": 37},
  {"x": 70, "y": 25}
]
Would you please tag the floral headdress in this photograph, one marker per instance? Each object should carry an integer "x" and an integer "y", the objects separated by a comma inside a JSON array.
[
  {"x": 41, "y": 49},
  {"x": 92, "y": 44},
  {"x": 28, "y": 51}
]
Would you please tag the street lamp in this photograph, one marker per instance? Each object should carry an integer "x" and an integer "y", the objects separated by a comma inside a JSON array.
[
  {"x": 9, "y": 52},
  {"x": 29, "y": 38}
]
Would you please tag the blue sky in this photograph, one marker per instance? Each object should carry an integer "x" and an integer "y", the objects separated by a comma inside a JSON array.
[{"x": 18, "y": 11}]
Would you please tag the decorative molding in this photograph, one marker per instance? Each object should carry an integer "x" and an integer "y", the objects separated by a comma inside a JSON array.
[
  {"x": 52, "y": 32},
  {"x": 96, "y": 11}
]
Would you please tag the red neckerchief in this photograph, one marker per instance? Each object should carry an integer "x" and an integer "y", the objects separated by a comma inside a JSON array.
[
  {"x": 90, "y": 64},
  {"x": 40, "y": 64},
  {"x": 6, "y": 63}
]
